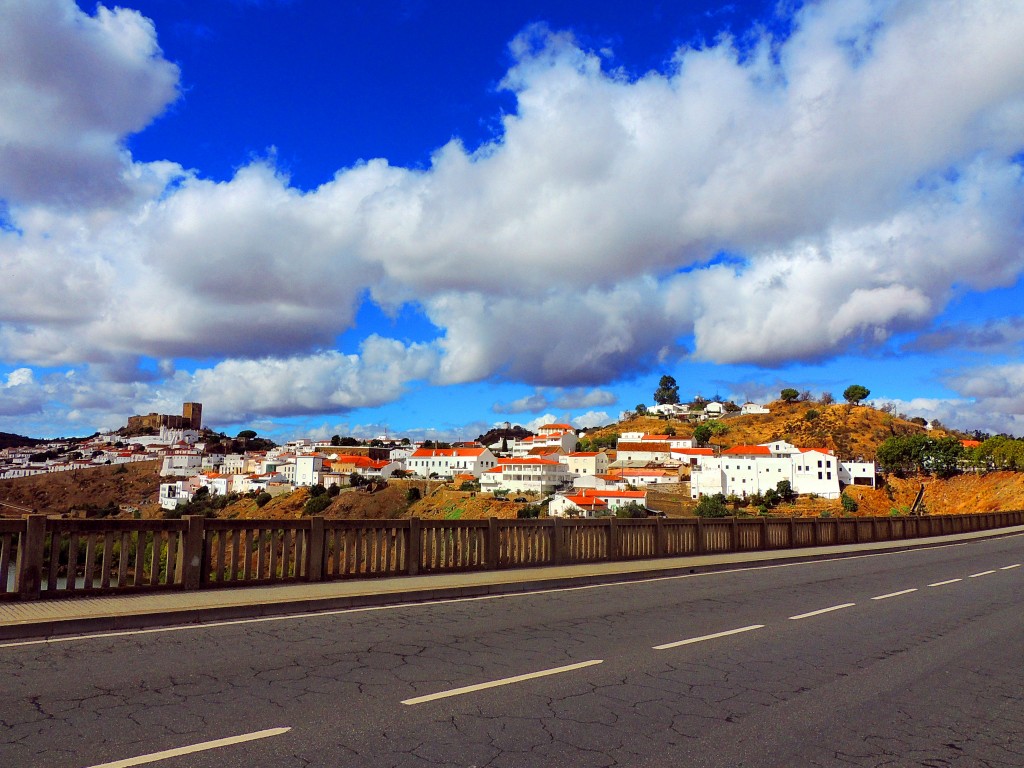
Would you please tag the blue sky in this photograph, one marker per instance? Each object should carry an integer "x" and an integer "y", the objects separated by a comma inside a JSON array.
[{"x": 427, "y": 217}]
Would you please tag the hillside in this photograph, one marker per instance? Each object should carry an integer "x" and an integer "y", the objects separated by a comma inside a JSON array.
[
  {"x": 852, "y": 431},
  {"x": 438, "y": 503},
  {"x": 60, "y": 493}
]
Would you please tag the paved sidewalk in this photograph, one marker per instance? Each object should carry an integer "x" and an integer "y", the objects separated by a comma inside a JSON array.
[{"x": 44, "y": 618}]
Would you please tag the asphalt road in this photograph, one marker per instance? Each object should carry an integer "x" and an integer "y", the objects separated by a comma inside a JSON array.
[{"x": 898, "y": 659}]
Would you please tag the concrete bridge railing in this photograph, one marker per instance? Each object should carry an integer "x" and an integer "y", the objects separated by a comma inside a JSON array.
[{"x": 44, "y": 557}]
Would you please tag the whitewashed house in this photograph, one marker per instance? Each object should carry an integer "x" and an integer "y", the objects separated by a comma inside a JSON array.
[
  {"x": 752, "y": 409},
  {"x": 586, "y": 462},
  {"x": 526, "y": 474},
  {"x": 448, "y": 462}
]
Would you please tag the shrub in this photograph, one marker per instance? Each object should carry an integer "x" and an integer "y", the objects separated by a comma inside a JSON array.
[
  {"x": 712, "y": 506},
  {"x": 631, "y": 510},
  {"x": 316, "y": 504},
  {"x": 849, "y": 504},
  {"x": 333, "y": 491},
  {"x": 811, "y": 414},
  {"x": 317, "y": 490},
  {"x": 262, "y": 499},
  {"x": 413, "y": 494}
]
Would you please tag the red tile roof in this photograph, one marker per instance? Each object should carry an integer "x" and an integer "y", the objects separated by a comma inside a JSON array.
[{"x": 747, "y": 450}]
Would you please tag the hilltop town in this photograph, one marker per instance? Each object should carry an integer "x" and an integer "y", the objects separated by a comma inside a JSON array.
[{"x": 703, "y": 457}]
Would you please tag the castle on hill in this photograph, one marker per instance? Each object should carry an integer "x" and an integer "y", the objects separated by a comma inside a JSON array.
[{"x": 191, "y": 418}]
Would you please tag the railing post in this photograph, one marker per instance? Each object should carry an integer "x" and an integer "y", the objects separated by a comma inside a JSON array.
[
  {"x": 700, "y": 536},
  {"x": 493, "y": 544},
  {"x": 557, "y": 550},
  {"x": 660, "y": 543},
  {"x": 856, "y": 531},
  {"x": 613, "y": 539},
  {"x": 792, "y": 532},
  {"x": 764, "y": 533},
  {"x": 192, "y": 552},
  {"x": 838, "y": 533},
  {"x": 734, "y": 535},
  {"x": 412, "y": 553},
  {"x": 30, "y": 558},
  {"x": 315, "y": 566}
]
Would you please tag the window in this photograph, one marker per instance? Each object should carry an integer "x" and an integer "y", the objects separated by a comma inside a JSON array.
[
  {"x": 819, "y": 475},
  {"x": 819, "y": 466},
  {"x": 829, "y": 476}
]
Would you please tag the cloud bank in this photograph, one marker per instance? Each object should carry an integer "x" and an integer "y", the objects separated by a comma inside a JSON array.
[{"x": 768, "y": 200}]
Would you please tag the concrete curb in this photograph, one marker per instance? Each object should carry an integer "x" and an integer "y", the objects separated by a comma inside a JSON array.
[{"x": 529, "y": 580}]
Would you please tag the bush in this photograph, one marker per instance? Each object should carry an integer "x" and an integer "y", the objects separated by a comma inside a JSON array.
[
  {"x": 528, "y": 511},
  {"x": 712, "y": 506},
  {"x": 316, "y": 504},
  {"x": 262, "y": 499},
  {"x": 413, "y": 494},
  {"x": 469, "y": 485},
  {"x": 631, "y": 510},
  {"x": 317, "y": 490},
  {"x": 333, "y": 491},
  {"x": 811, "y": 414},
  {"x": 849, "y": 504}
]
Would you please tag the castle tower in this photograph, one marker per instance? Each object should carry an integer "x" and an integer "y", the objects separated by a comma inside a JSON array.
[{"x": 192, "y": 415}]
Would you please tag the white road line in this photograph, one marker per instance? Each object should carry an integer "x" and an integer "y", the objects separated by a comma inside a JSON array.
[
  {"x": 503, "y": 681},
  {"x": 976, "y": 575},
  {"x": 154, "y": 757},
  {"x": 944, "y": 583},
  {"x": 509, "y": 595},
  {"x": 822, "y": 610},
  {"x": 702, "y": 638},
  {"x": 895, "y": 594},
  {"x": 1008, "y": 567}
]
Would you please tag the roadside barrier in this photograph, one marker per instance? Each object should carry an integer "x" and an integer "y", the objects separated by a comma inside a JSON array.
[{"x": 49, "y": 557}]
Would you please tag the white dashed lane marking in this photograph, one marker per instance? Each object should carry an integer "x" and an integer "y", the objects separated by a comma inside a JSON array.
[
  {"x": 166, "y": 754},
  {"x": 503, "y": 681},
  {"x": 944, "y": 583},
  {"x": 895, "y": 594},
  {"x": 976, "y": 575},
  {"x": 702, "y": 638},
  {"x": 822, "y": 610}
]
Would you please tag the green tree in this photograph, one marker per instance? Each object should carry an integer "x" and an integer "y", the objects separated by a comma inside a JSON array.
[
  {"x": 641, "y": 410},
  {"x": 631, "y": 510},
  {"x": 667, "y": 392},
  {"x": 712, "y": 506},
  {"x": 246, "y": 434},
  {"x": 789, "y": 394},
  {"x": 316, "y": 504},
  {"x": 855, "y": 393},
  {"x": 785, "y": 490},
  {"x": 262, "y": 499},
  {"x": 702, "y": 434},
  {"x": 335, "y": 439}
]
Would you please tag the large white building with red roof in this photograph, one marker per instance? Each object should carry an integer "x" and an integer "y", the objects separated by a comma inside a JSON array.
[
  {"x": 745, "y": 470},
  {"x": 523, "y": 475},
  {"x": 591, "y": 502},
  {"x": 448, "y": 462}
]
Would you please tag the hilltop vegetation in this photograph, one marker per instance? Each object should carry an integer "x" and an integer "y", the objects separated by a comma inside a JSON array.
[{"x": 852, "y": 431}]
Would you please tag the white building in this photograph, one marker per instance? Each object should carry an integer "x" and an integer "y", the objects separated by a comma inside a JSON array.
[
  {"x": 752, "y": 409},
  {"x": 564, "y": 440},
  {"x": 307, "y": 469},
  {"x": 746, "y": 470},
  {"x": 591, "y": 502},
  {"x": 541, "y": 476},
  {"x": 181, "y": 462},
  {"x": 670, "y": 409},
  {"x": 586, "y": 462},
  {"x": 448, "y": 462},
  {"x": 857, "y": 473}
]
